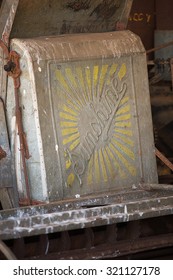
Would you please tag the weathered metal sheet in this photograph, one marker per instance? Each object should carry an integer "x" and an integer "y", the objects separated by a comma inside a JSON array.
[
  {"x": 7, "y": 13},
  {"x": 103, "y": 210},
  {"x": 85, "y": 100},
  {"x": 45, "y": 17},
  {"x": 5, "y": 160}
]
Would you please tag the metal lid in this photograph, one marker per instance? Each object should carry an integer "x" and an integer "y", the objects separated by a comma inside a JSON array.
[{"x": 80, "y": 46}]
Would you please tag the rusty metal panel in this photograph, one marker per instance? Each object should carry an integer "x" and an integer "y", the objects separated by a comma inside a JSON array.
[
  {"x": 45, "y": 17},
  {"x": 85, "y": 100}
]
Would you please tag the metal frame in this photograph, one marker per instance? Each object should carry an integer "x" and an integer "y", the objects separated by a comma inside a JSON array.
[{"x": 87, "y": 212}]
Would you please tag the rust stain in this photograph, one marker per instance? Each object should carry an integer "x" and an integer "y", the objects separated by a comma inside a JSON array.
[{"x": 3, "y": 154}]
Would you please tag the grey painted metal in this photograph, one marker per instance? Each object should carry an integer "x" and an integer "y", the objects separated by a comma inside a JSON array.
[
  {"x": 8, "y": 190},
  {"x": 7, "y": 174},
  {"x": 7, "y": 14},
  {"x": 69, "y": 16},
  {"x": 106, "y": 209},
  {"x": 5, "y": 163},
  {"x": 86, "y": 114}
]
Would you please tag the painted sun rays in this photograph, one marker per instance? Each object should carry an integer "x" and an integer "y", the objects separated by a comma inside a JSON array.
[{"x": 89, "y": 89}]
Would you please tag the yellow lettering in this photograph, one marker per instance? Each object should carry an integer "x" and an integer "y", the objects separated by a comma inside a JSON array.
[
  {"x": 148, "y": 18},
  {"x": 135, "y": 17},
  {"x": 141, "y": 17}
]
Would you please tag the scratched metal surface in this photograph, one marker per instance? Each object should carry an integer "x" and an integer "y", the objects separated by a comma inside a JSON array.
[
  {"x": 88, "y": 212},
  {"x": 52, "y": 17},
  {"x": 84, "y": 105}
]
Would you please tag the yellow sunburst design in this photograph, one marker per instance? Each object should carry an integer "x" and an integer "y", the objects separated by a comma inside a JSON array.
[{"x": 95, "y": 123}]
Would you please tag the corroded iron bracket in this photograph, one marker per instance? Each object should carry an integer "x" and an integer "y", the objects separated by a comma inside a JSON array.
[{"x": 12, "y": 67}]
